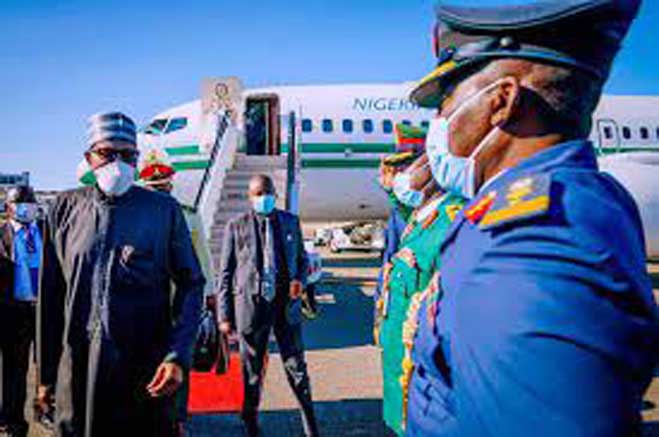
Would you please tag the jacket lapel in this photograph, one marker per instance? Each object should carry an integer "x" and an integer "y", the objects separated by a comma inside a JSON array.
[{"x": 251, "y": 240}]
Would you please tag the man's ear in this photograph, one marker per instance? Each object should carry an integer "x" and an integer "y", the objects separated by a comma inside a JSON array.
[{"x": 504, "y": 100}]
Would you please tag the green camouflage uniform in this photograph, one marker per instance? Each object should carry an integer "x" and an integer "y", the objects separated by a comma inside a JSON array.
[{"x": 409, "y": 273}]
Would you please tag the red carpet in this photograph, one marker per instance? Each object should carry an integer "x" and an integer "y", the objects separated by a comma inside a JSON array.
[{"x": 211, "y": 393}]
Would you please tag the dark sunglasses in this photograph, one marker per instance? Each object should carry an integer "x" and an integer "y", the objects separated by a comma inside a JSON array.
[{"x": 110, "y": 155}]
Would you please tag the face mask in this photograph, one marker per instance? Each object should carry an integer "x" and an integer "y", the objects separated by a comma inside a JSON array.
[
  {"x": 115, "y": 178},
  {"x": 85, "y": 174},
  {"x": 454, "y": 173},
  {"x": 26, "y": 212},
  {"x": 405, "y": 193},
  {"x": 263, "y": 204}
]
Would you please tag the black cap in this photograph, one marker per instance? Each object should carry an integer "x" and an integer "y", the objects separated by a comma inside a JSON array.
[
  {"x": 21, "y": 194},
  {"x": 582, "y": 34}
]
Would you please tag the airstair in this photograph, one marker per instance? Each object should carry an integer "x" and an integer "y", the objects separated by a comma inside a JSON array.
[{"x": 222, "y": 193}]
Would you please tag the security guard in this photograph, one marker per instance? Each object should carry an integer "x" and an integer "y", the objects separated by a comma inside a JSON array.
[
  {"x": 543, "y": 321},
  {"x": 406, "y": 275}
]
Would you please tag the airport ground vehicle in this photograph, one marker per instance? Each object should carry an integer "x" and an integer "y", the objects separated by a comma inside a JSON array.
[{"x": 357, "y": 236}]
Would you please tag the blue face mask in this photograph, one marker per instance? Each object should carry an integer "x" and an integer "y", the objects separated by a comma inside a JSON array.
[
  {"x": 26, "y": 212},
  {"x": 454, "y": 173},
  {"x": 263, "y": 204},
  {"x": 405, "y": 193}
]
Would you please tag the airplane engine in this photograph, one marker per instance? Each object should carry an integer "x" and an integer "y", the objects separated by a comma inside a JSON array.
[{"x": 639, "y": 173}]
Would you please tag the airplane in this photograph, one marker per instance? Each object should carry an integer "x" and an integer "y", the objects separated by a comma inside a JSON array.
[{"x": 346, "y": 129}]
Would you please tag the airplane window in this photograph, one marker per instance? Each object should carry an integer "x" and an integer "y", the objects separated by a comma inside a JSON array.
[
  {"x": 367, "y": 126},
  {"x": 607, "y": 133},
  {"x": 407, "y": 122},
  {"x": 328, "y": 126},
  {"x": 388, "y": 127},
  {"x": 626, "y": 133},
  {"x": 644, "y": 133},
  {"x": 347, "y": 126},
  {"x": 176, "y": 124},
  {"x": 307, "y": 125},
  {"x": 425, "y": 124},
  {"x": 155, "y": 127}
]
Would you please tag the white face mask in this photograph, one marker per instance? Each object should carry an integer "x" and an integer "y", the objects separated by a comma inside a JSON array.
[
  {"x": 115, "y": 178},
  {"x": 454, "y": 173}
]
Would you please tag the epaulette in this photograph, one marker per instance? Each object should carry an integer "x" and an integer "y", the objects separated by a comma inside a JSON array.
[
  {"x": 453, "y": 210},
  {"x": 524, "y": 198}
]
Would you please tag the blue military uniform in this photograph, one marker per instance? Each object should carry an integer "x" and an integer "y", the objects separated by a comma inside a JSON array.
[
  {"x": 544, "y": 321},
  {"x": 547, "y": 320}
]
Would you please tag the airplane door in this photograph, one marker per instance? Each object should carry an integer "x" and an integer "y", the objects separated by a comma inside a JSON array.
[
  {"x": 608, "y": 136},
  {"x": 262, "y": 128}
]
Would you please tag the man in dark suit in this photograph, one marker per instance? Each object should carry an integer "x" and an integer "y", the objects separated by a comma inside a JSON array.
[
  {"x": 260, "y": 282},
  {"x": 20, "y": 260}
]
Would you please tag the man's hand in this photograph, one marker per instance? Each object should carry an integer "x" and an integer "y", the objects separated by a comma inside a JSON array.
[
  {"x": 296, "y": 289},
  {"x": 225, "y": 328},
  {"x": 45, "y": 398},
  {"x": 167, "y": 380},
  {"x": 386, "y": 175}
]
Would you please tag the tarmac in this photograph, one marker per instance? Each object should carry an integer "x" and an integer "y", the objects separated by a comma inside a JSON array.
[{"x": 343, "y": 364}]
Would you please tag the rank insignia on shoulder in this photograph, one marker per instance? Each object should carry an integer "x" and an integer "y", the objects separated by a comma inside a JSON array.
[
  {"x": 453, "y": 210},
  {"x": 524, "y": 198},
  {"x": 480, "y": 208}
]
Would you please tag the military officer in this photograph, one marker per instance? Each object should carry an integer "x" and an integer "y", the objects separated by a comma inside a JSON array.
[
  {"x": 406, "y": 275},
  {"x": 410, "y": 142},
  {"x": 542, "y": 322}
]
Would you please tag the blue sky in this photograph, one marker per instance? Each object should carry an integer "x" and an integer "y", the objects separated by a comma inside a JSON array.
[{"x": 65, "y": 59}]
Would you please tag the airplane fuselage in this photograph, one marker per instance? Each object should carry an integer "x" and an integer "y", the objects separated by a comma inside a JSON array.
[{"x": 346, "y": 129}]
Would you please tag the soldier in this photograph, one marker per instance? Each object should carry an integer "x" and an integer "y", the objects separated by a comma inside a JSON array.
[
  {"x": 541, "y": 323},
  {"x": 112, "y": 345},
  {"x": 407, "y": 274},
  {"x": 409, "y": 145}
]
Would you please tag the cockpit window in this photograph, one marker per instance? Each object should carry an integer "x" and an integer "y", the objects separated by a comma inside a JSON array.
[
  {"x": 176, "y": 124},
  {"x": 166, "y": 126},
  {"x": 155, "y": 127}
]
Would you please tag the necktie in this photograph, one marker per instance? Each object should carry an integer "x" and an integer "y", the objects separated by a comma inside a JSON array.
[
  {"x": 30, "y": 245},
  {"x": 269, "y": 262}
]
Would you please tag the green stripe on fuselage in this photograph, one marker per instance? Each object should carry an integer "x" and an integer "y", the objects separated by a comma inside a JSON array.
[
  {"x": 192, "y": 149},
  {"x": 191, "y": 165},
  {"x": 614, "y": 151},
  {"x": 344, "y": 147},
  {"x": 340, "y": 163}
]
